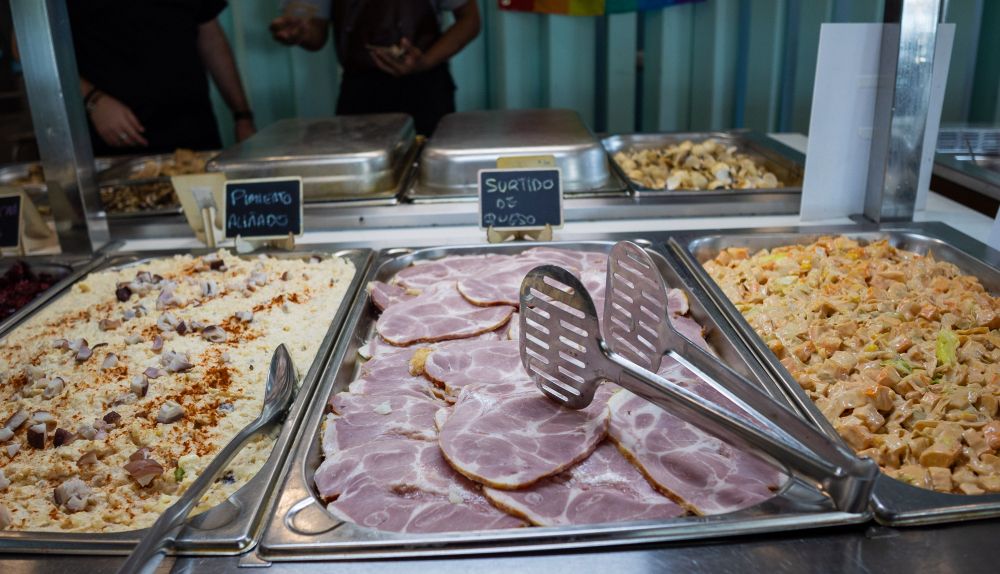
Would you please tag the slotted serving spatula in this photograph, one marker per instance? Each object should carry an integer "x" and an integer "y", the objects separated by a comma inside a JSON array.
[
  {"x": 638, "y": 327},
  {"x": 563, "y": 351}
]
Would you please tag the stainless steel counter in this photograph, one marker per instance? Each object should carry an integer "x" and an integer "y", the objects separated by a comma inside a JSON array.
[
  {"x": 981, "y": 175},
  {"x": 968, "y": 549},
  {"x": 319, "y": 216}
]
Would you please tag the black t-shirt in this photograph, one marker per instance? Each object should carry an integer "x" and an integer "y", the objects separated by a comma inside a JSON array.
[{"x": 145, "y": 53}]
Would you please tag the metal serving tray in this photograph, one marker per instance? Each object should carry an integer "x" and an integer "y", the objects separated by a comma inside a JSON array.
[
  {"x": 65, "y": 269},
  {"x": 894, "y": 502},
  {"x": 124, "y": 174},
  {"x": 467, "y": 142},
  {"x": 784, "y": 162},
  {"x": 302, "y": 529},
  {"x": 10, "y": 174},
  {"x": 346, "y": 158},
  {"x": 231, "y": 527}
]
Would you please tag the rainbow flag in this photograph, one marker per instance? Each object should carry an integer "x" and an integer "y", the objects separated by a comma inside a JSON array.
[{"x": 587, "y": 7}]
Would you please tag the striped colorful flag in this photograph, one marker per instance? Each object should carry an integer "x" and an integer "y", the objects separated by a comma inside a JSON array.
[{"x": 587, "y": 7}]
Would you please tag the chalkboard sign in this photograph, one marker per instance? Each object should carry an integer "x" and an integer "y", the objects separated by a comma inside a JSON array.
[
  {"x": 522, "y": 199},
  {"x": 10, "y": 220},
  {"x": 263, "y": 208}
]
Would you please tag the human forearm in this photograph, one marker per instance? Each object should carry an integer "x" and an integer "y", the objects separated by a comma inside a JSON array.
[
  {"x": 221, "y": 65},
  {"x": 465, "y": 30}
]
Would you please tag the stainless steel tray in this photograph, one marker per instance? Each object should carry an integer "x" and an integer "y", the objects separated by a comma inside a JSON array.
[
  {"x": 784, "y": 162},
  {"x": 466, "y": 142},
  {"x": 124, "y": 174},
  {"x": 231, "y": 527},
  {"x": 10, "y": 174},
  {"x": 894, "y": 502},
  {"x": 65, "y": 269},
  {"x": 302, "y": 529},
  {"x": 346, "y": 158}
]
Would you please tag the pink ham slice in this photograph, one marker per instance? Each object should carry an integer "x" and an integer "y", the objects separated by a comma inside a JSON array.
[
  {"x": 509, "y": 435},
  {"x": 438, "y": 314},
  {"x": 677, "y": 310},
  {"x": 378, "y": 347},
  {"x": 361, "y": 419},
  {"x": 384, "y": 295},
  {"x": 445, "y": 270},
  {"x": 686, "y": 463},
  {"x": 404, "y": 486},
  {"x": 603, "y": 488},
  {"x": 500, "y": 284},
  {"x": 460, "y": 364},
  {"x": 389, "y": 376}
]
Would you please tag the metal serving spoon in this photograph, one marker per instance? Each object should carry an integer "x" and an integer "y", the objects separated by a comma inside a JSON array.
[
  {"x": 562, "y": 350},
  {"x": 277, "y": 399}
]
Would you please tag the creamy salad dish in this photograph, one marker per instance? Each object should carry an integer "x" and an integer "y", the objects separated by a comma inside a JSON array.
[
  {"x": 899, "y": 351},
  {"x": 116, "y": 395}
]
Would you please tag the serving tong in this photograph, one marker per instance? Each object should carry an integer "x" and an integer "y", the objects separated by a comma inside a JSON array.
[
  {"x": 280, "y": 391},
  {"x": 562, "y": 349}
]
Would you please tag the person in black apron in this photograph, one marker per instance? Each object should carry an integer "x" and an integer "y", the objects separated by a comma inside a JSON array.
[{"x": 394, "y": 55}]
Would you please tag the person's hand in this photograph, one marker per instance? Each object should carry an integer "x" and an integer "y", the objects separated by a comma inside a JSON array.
[
  {"x": 288, "y": 30},
  {"x": 244, "y": 128},
  {"x": 116, "y": 124},
  {"x": 410, "y": 59}
]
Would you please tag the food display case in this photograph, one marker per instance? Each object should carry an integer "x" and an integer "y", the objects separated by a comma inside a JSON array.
[
  {"x": 362, "y": 159},
  {"x": 467, "y": 142}
]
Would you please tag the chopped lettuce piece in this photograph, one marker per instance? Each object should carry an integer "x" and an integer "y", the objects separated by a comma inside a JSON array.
[
  {"x": 900, "y": 365},
  {"x": 947, "y": 345}
]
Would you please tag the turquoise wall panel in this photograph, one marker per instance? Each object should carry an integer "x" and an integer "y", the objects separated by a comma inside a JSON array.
[{"x": 711, "y": 65}]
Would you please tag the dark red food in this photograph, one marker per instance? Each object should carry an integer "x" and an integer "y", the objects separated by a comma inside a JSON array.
[{"x": 19, "y": 285}]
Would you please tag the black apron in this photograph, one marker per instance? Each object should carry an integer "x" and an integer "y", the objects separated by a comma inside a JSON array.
[{"x": 365, "y": 89}]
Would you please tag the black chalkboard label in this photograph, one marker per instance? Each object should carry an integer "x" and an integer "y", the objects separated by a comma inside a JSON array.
[
  {"x": 263, "y": 208},
  {"x": 520, "y": 198},
  {"x": 10, "y": 220}
]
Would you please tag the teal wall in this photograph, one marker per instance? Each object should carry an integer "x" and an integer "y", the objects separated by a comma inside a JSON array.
[{"x": 711, "y": 65}]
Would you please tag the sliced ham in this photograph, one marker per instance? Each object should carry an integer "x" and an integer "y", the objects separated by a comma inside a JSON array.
[
  {"x": 438, "y": 314},
  {"x": 390, "y": 375},
  {"x": 500, "y": 284},
  {"x": 460, "y": 364},
  {"x": 361, "y": 419},
  {"x": 509, "y": 435},
  {"x": 708, "y": 475},
  {"x": 420, "y": 276},
  {"x": 384, "y": 295},
  {"x": 677, "y": 309},
  {"x": 404, "y": 486},
  {"x": 603, "y": 488}
]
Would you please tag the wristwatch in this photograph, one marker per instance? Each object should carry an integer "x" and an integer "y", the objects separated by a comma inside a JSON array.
[{"x": 242, "y": 115}]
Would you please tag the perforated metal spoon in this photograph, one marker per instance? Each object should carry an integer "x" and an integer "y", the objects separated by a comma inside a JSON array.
[
  {"x": 277, "y": 398},
  {"x": 562, "y": 350}
]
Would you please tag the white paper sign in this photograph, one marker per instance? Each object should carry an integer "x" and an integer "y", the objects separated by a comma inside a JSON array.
[{"x": 843, "y": 109}]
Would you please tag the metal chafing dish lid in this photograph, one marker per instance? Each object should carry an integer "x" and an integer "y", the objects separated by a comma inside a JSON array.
[
  {"x": 351, "y": 146},
  {"x": 466, "y": 142}
]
